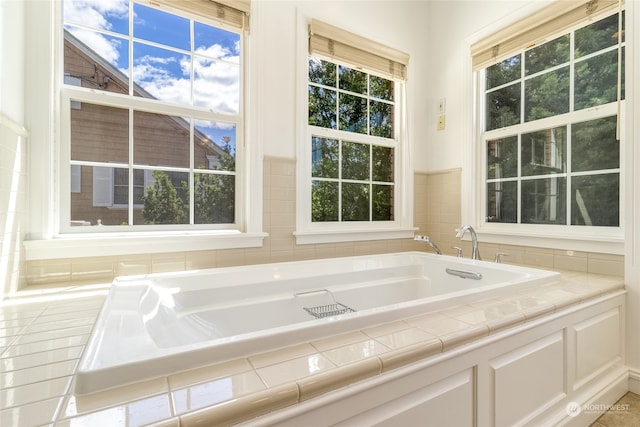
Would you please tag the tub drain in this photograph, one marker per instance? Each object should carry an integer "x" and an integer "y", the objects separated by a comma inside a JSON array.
[{"x": 329, "y": 310}]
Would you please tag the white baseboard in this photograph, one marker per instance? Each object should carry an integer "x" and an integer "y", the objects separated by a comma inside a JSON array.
[{"x": 634, "y": 380}]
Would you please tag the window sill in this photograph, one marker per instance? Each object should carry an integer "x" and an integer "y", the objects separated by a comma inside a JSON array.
[
  {"x": 587, "y": 242},
  {"x": 338, "y": 236},
  {"x": 110, "y": 244}
]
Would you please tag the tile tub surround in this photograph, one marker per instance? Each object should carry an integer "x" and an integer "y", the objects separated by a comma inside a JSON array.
[
  {"x": 41, "y": 343},
  {"x": 436, "y": 213}
]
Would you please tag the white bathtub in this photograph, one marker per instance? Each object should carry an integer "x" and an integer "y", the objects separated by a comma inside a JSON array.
[{"x": 158, "y": 324}]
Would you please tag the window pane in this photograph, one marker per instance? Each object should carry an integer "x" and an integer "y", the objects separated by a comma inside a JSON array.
[
  {"x": 324, "y": 201},
  {"x": 382, "y": 202},
  {"x": 175, "y": 29},
  {"x": 547, "y": 95},
  {"x": 355, "y": 161},
  {"x": 322, "y": 107},
  {"x": 166, "y": 199},
  {"x": 594, "y": 145},
  {"x": 597, "y": 36},
  {"x": 214, "y": 198},
  {"x": 216, "y": 69},
  {"x": 353, "y": 113},
  {"x": 215, "y": 42},
  {"x": 502, "y": 158},
  {"x": 322, "y": 72},
  {"x": 95, "y": 60},
  {"x": 355, "y": 202},
  {"x": 544, "y": 201},
  {"x": 547, "y": 55},
  {"x": 596, "y": 80},
  {"x": 502, "y": 202},
  {"x": 503, "y": 107},
  {"x": 324, "y": 157},
  {"x": 595, "y": 200},
  {"x": 382, "y": 164},
  {"x": 504, "y": 72},
  {"x": 381, "y": 119},
  {"x": 544, "y": 152},
  {"x": 160, "y": 140},
  {"x": 215, "y": 145},
  {"x": 163, "y": 74},
  {"x": 99, "y": 133},
  {"x": 381, "y": 88},
  {"x": 352, "y": 80},
  {"x": 94, "y": 203},
  {"x": 216, "y": 85},
  {"x": 102, "y": 15}
]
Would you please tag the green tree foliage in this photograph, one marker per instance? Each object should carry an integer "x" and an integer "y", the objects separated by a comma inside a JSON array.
[
  {"x": 214, "y": 195},
  {"x": 162, "y": 205}
]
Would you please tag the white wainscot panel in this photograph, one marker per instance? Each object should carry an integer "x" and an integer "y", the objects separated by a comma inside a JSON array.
[
  {"x": 528, "y": 380},
  {"x": 598, "y": 345},
  {"x": 448, "y": 402}
]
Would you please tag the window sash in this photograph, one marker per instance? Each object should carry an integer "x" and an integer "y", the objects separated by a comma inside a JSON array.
[
  {"x": 502, "y": 232},
  {"x": 351, "y": 49},
  {"x": 71, "y": 95},
  {"x": 538, "y": 28}
]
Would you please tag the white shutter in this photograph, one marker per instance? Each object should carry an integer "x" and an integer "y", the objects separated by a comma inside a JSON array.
[{"x": 102, "y": 186}]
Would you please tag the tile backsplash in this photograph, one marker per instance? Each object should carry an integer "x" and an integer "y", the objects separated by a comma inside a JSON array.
[{"x": 436, "y": 213}]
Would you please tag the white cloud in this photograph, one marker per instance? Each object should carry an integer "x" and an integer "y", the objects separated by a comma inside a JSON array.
[
  {"x": 107, "y": 49},
  {"x": 94, "y": 13}
]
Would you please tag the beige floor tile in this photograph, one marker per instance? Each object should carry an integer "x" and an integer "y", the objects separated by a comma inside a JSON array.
[{"x": 625, "y": 412}]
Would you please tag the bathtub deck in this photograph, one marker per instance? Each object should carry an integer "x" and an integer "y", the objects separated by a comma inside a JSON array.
[{"x": 41, "y": 343}]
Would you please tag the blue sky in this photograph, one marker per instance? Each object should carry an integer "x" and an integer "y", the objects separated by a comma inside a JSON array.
[{"x": 163, "y": 69}]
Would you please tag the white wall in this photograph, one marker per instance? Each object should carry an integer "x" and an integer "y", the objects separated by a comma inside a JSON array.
[
  {"x": 451, "y": 25},
  {"x": 12, "y": 60},
  {"x": 13, "y": 146}
]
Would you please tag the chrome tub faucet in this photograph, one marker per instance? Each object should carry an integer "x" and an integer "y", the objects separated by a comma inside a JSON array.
[{"x": 475, "y": 252}]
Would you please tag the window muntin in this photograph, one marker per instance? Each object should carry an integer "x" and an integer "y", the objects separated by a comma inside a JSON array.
[
  {"x": 352, "y": 179},
  {"x": 178, "y": 141},
  {"x": 549, "y": 155}
]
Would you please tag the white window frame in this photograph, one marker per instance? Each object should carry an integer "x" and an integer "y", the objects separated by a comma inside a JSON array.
[
  {"x": 47, "y": 239},
  {"x": 608, "y": 240},
  {"x": 308, "y": 232}
]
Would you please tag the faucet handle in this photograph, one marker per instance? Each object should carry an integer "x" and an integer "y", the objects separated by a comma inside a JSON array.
[
  {"x": 499, "y": 256},
  {"x": 459, "y": 249}
]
